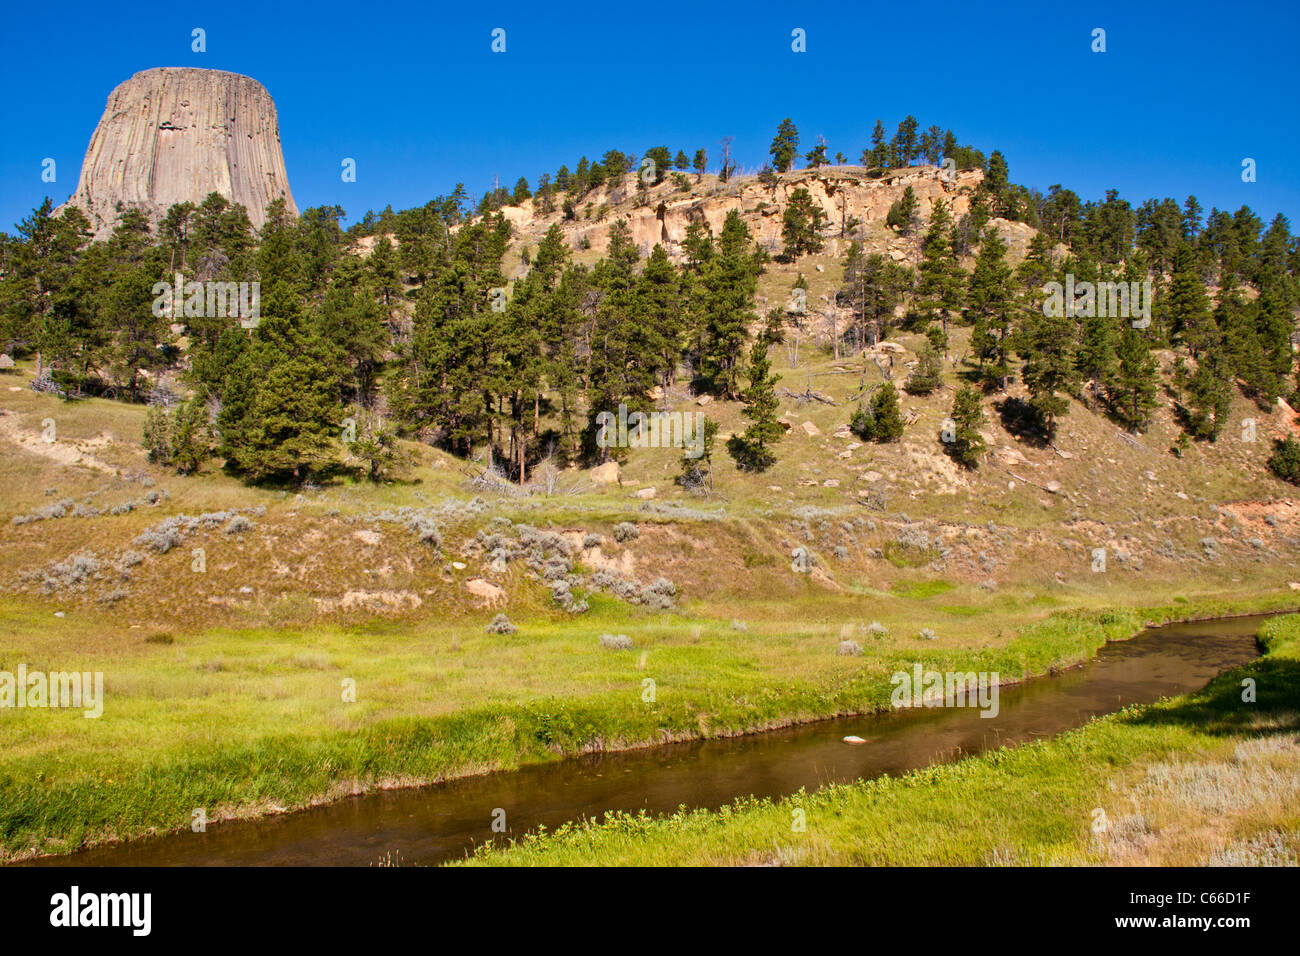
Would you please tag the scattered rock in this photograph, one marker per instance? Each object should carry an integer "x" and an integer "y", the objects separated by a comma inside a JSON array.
[
  {"x": 489, "y": 594},
  {"x": 606, "y": 474}
]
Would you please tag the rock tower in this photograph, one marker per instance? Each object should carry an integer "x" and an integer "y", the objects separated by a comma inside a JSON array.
[{"x": 174, "y": 134}]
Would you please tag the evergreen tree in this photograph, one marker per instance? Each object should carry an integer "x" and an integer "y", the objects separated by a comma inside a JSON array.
[
  {"x": 157, "y": 435},
  {"x": 730, "y": 281},
  {"x": 1209, "y": 395},
  {"x": 877, "y": 157},
  {"x": 903, "y": 214},
  {"x": 1285, "y": 460},
  {"x": 927, "y": 376},
  {"x": 873, "y": 287},
  {"x": 1131, "y": 390},
  {"x": 1188, "y": 307},
  {"x": 785, "y": 146},
  {"x": 905, "y": 143},
  {"x": 939, "y": 276},
  {"x": 886, "y": 416},
  {"x": 991, "y": 299},
  {"x": 801, "y": 226},
  {"x": 753, "y": 450},
  {"x": 1095, "y": 359},
  {"x": 816, "y": 157},
  {"x": 700, "y": 163},
  {"x": 660, "y": 163},
  {"x": 697, "y": 472},
  {"x": 287, "y": 420},
  {"x": 962, "y": 436},
  {"x": 190, "y": 435},
  {"x": 1044, "y": 344}
]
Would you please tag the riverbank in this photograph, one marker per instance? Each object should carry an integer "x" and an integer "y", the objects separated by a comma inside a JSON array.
[
  {"x": 1206, "y": 778},
  {"x": 254, "y": 726}
]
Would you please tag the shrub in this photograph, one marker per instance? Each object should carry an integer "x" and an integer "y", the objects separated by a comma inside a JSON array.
[
  {"x": 616, "y": 642},
  {"x": 849, "y": 649},
  {"x": 1285, "y": 460},
  {"x": 501, "y": 625},
  {"x": 927, "y": 375},
  {"x": 626, "y": 531}
]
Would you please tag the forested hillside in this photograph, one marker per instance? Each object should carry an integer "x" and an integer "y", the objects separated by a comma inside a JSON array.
[{"x": 453, "y": 324}]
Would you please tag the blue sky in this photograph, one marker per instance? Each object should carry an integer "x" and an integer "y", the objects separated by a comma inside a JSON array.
[{"x": 414, "y": 94}]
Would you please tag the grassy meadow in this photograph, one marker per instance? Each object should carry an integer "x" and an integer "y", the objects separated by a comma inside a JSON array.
[
  {"x": 224, "y": 687},
  {"x": 1194, "y": 780}
]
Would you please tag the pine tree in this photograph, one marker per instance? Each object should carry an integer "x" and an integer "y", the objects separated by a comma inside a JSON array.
[
  {"x": 939, "y": 276},
  {"x": 1209, "y": 394},
  {"x": 801, "y": 226},
  {"x": 659, "y": 291},
  {"x": 191, "y": 443},
  {"x": 962, "y": 436},
  {"x": 785, "y": 145},
  {"x": 1095, "y": 359},
  {"x": 753, "y": 450},
  {"x": 905, "y": 143},
  {"x": 886, "y": 416},
  {"x": 1241, "y": 342},
  {"x": 1188, "y": 308},
  {"x": 1285, "y": 460},
  {"x": 730, "y": 280},
  {"x": 157, "y": 435},
  {"x": 1044, "y": 344},
  {"x": 927, "y": 376},
  {"x": 816, "y": 157},
  {"x": 1131, "y": 390},
  {"x": 877, "y": 157},
  {"x": 991, "y": 301},
  {"x": 902, "y": 215},
  {"x": 873, "y": 286},
  {"x": 697, "y": 472},
  {"x": 286, "y": 420}
]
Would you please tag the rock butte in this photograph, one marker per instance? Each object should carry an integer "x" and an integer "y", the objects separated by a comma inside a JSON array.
[{"x": 175, "y": 134}]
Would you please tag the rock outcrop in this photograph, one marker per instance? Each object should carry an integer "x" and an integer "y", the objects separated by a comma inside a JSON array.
[
  {"x": 174, "y": 134},
  {"x": 842, "y": 193}
]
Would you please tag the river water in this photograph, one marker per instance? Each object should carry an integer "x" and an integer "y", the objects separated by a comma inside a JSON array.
[{"x": 434, "y": 824}]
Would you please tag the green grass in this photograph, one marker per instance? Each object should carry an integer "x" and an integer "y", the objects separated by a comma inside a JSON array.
[
  {"x": 1034, "y": 804},
  {"x": 919, "y": 590},
  {"x": 243, "y": 721}
]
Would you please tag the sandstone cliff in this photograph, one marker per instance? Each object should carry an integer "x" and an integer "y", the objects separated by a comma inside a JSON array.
[
  {"x": 841, "y": 193},
  {"x": 174, "y": 134}
]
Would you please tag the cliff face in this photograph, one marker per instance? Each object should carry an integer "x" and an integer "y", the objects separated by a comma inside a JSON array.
[
  {"x": 842, "y": 193},
  {"x": 174, "y": 134}
]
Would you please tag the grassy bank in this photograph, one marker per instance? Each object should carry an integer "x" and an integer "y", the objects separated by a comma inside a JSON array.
[
  {"x": 1204, "y": 778},
  {"x": 248, "y": 722}
]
